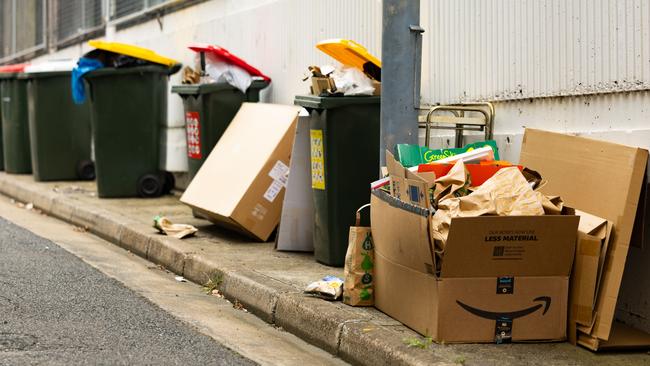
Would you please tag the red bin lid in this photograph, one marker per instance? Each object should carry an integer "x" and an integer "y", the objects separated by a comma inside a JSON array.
[
  {"x": 229, "y": 58},
  {"x": 15, "y": 68}
]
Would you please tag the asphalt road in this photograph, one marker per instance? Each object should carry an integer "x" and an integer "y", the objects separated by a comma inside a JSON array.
[{"x": 57, "y": 310}]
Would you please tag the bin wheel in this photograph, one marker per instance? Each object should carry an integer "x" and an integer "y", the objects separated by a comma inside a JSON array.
[
  {"x": 170, "y": 182},
  {"x": 86, "y": 170},
  {"x": 150, "y": 185}
]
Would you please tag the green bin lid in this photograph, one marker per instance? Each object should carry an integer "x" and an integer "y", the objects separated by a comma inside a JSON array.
[
  {"x": 195, "y": 89},
  {"x": 313, "y": 101}
]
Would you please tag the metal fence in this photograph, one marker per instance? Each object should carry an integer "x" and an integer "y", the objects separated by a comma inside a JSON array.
[{"x": 29, "y": 26}]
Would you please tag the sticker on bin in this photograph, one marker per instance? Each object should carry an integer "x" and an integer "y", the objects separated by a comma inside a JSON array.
[
  {"x": 193, "y": 130},
  {"x": 317, "y": 159}
]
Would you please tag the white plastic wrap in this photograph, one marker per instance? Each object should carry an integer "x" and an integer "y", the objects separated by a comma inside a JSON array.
[{"x": 218, "y": 70}]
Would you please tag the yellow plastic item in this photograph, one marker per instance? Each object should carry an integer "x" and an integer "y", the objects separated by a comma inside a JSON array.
[
  {"x": 133, "y": 51},
  {"x": 348, "y": 52}
]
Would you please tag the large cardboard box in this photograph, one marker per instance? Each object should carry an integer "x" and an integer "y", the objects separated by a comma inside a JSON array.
[
  {"x": 241, "y": 184},
  {"x": 501, "y": 279},
  {"x": 607, "y": 180}
]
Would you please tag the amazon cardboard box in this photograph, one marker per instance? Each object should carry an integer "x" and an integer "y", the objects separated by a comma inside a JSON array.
[
  {"x": 608, "y": 181},
  {"x": 501, "y": 279},
  {"x": 241, "y": 184}
]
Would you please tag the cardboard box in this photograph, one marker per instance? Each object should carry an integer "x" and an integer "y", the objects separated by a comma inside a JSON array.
[
  {"x": 607, "y": 180},
  {"x": 241, "y": 184},
  {"x": 320, "y": 84},
  {"x": 502, "y": 278}
]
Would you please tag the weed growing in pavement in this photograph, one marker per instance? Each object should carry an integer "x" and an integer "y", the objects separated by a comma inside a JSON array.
[
  {"x": 423, "y": 343},
  {"x": 213, "y": 283},
  {"x": 460, "y": 360}
]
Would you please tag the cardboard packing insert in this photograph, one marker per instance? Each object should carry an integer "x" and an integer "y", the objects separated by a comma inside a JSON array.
[
  {"x": 501, "y": 278},
  {"x": 607, "y": 184}
]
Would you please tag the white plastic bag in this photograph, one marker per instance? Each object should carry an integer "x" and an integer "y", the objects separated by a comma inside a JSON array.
[
  {"x": 351, "y": 81},
  {"x": 218, "y": 70}
]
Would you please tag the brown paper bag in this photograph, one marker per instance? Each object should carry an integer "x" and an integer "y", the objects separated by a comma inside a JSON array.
[{"x": 359, "y": 264}]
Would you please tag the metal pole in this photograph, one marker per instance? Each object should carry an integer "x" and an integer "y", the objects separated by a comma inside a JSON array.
[{"x": 400, "y": 74}]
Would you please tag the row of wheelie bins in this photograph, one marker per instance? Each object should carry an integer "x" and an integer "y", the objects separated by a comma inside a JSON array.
[
  {"x": 119, "y": 127},
  {"x": 46, "y": 134}
]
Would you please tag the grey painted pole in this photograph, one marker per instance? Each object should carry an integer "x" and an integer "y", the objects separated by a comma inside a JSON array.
[{"x": 401, "y": 53}]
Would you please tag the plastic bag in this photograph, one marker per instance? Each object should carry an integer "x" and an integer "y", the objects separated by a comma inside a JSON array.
[
  {"x": 351, "y": 81},
  {"x": 84, "y": 65},
  {"x": 217, "y": 70}
]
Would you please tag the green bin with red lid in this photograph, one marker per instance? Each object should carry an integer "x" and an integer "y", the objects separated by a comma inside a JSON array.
[{"x": 15, "y": 126}]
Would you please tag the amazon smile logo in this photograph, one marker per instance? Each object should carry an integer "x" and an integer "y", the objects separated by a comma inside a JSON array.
[{"x": 512, "y": 315}]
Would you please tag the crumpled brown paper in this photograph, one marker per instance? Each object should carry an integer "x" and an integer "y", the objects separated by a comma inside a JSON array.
[
  {"x": 454, "y": 184},
  {"x": 179, "y": 231},
  {"x": 506, "y": 193}
]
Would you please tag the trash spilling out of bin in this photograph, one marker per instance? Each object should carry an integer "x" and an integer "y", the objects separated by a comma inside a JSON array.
[
  {"x": 59, "y": 129},
  {"x": 128, "y": 105},
  {"x": 359, "y": 73},
  {"x": 219, "y": 86},
  {"x": 15, "y": 125},
  {"x": 241, "y": 184},
  {"x": 167, "y": 227}
]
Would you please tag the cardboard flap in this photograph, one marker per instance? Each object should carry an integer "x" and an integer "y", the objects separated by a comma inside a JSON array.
[
  {"x": 599, "y": 177},
  {"x": 492, "y": 246},
  {"x": 592, "y": 225},
  {"x": 622, "y": 337}
]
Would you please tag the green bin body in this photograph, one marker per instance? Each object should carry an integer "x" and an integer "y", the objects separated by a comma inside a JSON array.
[
  {"x": 344, "y": 140},
  {"x": 59, "y": 129},
  {"x": 209, "y": 109},
  {"x": 128, "y": 109},
  {"x": 15, "y": 126}
]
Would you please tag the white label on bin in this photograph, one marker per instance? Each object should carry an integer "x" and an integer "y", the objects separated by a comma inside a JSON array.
[
  {"x": 273, "y": 191},
  {"x": 280, "y": 172}
]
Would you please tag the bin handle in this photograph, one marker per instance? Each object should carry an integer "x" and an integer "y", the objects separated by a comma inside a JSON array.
[{"x": 357, "y": 222}]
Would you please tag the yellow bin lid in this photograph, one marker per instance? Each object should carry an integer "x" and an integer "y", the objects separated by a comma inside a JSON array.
[
  {"x": 348, "y": 52},
  {"x": 133, "y": 51}
]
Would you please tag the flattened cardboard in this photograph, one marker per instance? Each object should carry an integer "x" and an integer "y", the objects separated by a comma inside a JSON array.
[
  {"x": 297, "y": 222},
  {"x": 237, "y": 186},
  {"x": 602, "y": 178},
  {"x": 408, "y": 290}
]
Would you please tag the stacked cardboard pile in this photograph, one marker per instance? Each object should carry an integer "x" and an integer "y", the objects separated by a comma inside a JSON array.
[{"x": 517, "y": 278}]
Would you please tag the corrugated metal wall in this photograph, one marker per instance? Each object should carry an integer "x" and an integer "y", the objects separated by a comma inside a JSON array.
[{"x": 514, "y": 49}]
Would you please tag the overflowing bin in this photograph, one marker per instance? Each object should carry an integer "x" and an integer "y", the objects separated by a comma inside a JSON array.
[
  {"x": 128, "y": 107},
  {"x": 15, "y": 128},
  {"x": 344, "y": 141},
  {"x": 59, "y": 129},
  {"x": 209, "y": 108}
]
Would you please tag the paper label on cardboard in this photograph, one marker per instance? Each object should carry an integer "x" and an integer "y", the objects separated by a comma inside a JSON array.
[
  {"x": 273, "y": 190},
  {"x": 259, "y": 212},
  {"x": 280, "y": 172},
  {"x": 317, "y": 159},
  {"x": 193, "y": 131}
]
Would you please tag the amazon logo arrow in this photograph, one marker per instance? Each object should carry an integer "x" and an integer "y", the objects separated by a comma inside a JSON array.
[{"x": 509, "y": 315}]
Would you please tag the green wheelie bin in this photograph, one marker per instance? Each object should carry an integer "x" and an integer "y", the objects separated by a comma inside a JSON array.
[
  {"x": 128, "y": 108},
  {"x": 344, "y": 141},
  {"x": 15, "y": 127},
  {"x": 59, "y": 129},
  {"x": 209, "y": 108}
]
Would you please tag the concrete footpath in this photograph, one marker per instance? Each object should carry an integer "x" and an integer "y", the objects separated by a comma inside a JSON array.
[{"x": 270, "y": 283}]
